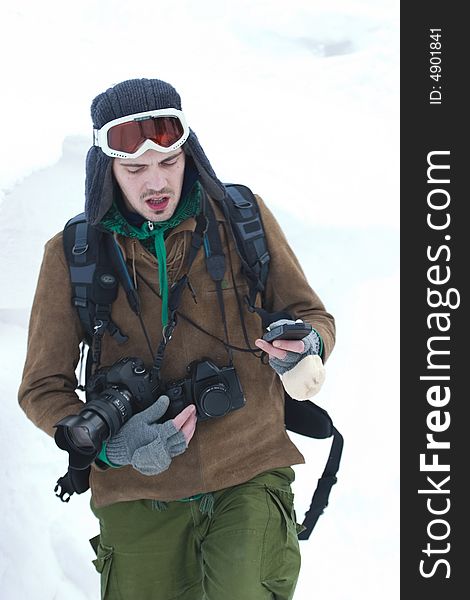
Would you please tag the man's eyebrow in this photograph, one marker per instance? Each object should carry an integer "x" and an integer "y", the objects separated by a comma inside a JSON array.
[
  {"x": 168, "y": 158},
  {"x": 172, "y": 156}
]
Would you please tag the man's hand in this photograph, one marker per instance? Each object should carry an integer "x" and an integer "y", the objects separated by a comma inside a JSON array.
[
  {"x": 280, "y": 348},
  {"x": 186, "y": 422},
  {"x": 297, "y": 363},
  {"x": 149, "y": 446}
]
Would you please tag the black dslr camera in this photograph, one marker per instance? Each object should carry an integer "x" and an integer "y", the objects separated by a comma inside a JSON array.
[
  {"x": 214, "y": 391},
  {"x": 116, "y": 393}
]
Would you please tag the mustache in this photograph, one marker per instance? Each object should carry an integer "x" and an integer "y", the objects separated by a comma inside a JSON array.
[{"x": 166, "y": 191}]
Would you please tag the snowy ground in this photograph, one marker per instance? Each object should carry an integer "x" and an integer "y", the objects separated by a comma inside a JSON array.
[{"x": 242, "y": 69}]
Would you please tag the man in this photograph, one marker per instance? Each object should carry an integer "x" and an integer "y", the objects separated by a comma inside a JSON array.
[{"x": 189, "y": 507}]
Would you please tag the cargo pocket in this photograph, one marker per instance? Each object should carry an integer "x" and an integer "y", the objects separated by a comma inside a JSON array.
[
  {"x": 281, "y": 553},
  {"x": 285, "y": 502},
  {"x": 103, "y": 562}
]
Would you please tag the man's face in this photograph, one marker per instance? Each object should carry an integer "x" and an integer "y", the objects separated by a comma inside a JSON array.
[{"x": 151, "y": 184}]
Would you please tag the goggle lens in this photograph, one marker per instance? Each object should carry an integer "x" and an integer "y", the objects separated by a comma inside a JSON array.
[{"x": 128, "y": 137}]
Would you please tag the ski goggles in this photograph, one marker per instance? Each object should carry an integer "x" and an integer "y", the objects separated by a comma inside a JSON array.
[{"x": 164, "y": 130}]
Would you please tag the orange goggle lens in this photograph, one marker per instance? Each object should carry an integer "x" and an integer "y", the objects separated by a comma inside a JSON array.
[{"x": 128, "y": 137}]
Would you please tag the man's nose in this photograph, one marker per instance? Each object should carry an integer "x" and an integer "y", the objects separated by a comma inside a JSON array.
[{"x": 156, "y": 178}]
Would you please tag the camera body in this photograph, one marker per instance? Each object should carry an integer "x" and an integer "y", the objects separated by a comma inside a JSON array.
[
  {"x": 114, "y": 394},
  {"x": 127, "y": 374},
  {"x": 215, "y": 391}
]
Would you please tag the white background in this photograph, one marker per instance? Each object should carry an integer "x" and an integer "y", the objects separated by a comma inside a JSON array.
[{"x": 245, "y": 70}]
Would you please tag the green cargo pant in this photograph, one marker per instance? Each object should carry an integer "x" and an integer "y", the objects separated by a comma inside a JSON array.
[{"x": 244, "y": 548}]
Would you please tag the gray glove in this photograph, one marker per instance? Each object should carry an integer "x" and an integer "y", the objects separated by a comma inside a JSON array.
[
  {"x": 146, "y": 445},
  {"x": 312, "y": 344}
]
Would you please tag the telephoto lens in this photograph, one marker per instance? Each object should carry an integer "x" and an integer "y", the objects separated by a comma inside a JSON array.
[{"x": 95, "y": 423}]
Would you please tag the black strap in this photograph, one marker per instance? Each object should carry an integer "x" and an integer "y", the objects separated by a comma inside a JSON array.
[
  {"x": 117, "y": 259},
  {"x": 243, "y": 216},
  {"x": 215, "y": 262},
  {"x": 324, "y": 485},
  {"x": 308, "y": 419},
  {"x": 74, "y": 481}
]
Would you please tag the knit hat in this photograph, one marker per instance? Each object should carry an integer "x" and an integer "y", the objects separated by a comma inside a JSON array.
[{"x": 127, "y": 98}]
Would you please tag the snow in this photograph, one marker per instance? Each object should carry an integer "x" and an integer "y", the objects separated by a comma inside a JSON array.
[{"x": 329, "y": 70}]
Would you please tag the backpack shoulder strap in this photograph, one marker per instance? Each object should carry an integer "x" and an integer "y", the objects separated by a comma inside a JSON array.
[
  {"x": 93, "y": 277},
  {"x": 245, "y": 219}
]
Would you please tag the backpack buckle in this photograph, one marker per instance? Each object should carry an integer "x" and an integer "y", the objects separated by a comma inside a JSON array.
[
  {"x": 99, "y": 327},
  {"x": 263, "y": 259},
  {"x": 79, "y": 248},
  {"x": 79, "y": 302}
]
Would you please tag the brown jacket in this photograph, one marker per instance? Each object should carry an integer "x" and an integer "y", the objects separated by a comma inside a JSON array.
[{"x": 223, "y": 452}]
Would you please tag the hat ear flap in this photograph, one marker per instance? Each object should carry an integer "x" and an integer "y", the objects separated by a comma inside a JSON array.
[
  {"x": 98, "y": 185},
  {"x": 213, "y": 186}
]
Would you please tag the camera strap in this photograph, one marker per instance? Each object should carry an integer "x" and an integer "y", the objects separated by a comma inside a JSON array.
[{"x": 215, "y": 262}]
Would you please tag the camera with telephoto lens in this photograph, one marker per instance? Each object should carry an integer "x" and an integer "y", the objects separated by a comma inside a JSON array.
[{"x": 116, "y": 393}]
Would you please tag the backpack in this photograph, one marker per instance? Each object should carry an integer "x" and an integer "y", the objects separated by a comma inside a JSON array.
[{"x": 96, "y": 269}]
